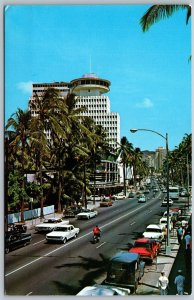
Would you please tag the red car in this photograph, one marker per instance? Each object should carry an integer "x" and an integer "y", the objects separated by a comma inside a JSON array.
[{"x": 146, "y": 248}]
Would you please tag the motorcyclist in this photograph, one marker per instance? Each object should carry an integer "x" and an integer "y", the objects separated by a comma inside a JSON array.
[{"x": 96, "y": 231}]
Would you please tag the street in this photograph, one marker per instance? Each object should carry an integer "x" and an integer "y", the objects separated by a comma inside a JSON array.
[{"x": 64, "y": 269}]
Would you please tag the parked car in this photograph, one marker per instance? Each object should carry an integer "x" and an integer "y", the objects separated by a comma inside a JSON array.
[
  {"x": 103, "y": 290},
  {"x": 164, "y": 202},
  {"x": 105, "y": 202},
  {"x": 96, "y": 197},
  {"x": 71, "y": 212},
  {"x": 141, "y": 199},
  {"x": 176, "y": 209},
  {"x": 62, "y": 233},
  {"x": 17, "y": 227},
  {"x": 155, "y": 232},
  {"x": 50, "y": 224},
  {"x": 148, "y": 249},
  {"x": 163, "y": 223},
  {"x": 125, "y": 270},
  {"x": 17, "y": 240},
  {"x": 87, "y": 214}
]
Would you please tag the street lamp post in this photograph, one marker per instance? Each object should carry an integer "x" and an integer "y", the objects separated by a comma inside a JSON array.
[{"x": 168, "y": 248}]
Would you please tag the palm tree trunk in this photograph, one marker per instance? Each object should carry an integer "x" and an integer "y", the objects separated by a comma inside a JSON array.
[{"x": 59, "y": 193}]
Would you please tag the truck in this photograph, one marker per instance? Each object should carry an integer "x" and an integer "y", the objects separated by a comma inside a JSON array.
[{"x": 125, "y": 270}]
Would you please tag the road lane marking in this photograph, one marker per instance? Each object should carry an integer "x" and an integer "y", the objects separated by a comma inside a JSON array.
[
  {"x": 29, "y": 294},
  {"x": 100, "y": 245},
  {"x": 132, "y": 223},
  {"x": 70, "y": 242},
  {"x": 39, "y": 242}
]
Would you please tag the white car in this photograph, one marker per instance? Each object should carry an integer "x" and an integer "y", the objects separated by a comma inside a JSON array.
[
  {"x": 154, "y": 231},
  {"x": 164, "y": 202},
  {"x": 141, "y": 199},
  {"x": 50, "y": 224},
  {"x": 163, "y": 223},
  {"x": 119, "y": 197},
  {"x": 87, "y": 214},
  {"x": 62, "y": 233},
  {"x": 103, "y": 290},
  {"x": 172, "y": 214}
]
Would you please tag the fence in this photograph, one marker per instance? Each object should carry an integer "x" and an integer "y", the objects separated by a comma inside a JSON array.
[{"x": 30, "y": 214}]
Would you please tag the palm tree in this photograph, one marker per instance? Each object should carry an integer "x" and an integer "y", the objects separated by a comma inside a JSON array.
[
  {"x": 125, "y": 151},
  {"x": 19, "y": 125},
  {"x": 157, "y": 12},
  {"x": 48, "y": 118}
]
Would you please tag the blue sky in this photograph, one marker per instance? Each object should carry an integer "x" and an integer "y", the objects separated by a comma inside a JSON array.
[{"x": 149, "y": 72}]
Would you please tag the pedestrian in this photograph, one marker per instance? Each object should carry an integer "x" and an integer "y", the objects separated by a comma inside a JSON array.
[
  {"x": 163, "y": 284},
  {"x": 180, "y": 282},
  {"x": 179, "y": 234},
  {"x": 187, "y": 239},
  {"x": 141, "y": 267}
]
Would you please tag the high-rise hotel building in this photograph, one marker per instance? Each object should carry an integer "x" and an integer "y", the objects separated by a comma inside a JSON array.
[{"x": 90, "y": 91}]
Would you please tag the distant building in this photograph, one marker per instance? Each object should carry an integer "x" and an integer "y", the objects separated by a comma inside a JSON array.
[{"x": 159, "y": 157}]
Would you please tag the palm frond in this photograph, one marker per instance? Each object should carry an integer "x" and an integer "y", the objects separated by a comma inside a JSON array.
[{"x": 158, "y": 12}]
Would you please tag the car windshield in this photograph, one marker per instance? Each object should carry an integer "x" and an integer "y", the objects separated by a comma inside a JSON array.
[
  {"x": 50, "y": 221},
  {"x": 61, "y": 229},
  {"x": 153, "y": 230},
  {"x": 140, "y": 245}
]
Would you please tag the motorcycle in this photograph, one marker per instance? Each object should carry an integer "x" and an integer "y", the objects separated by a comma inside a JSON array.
[{"x": 96, "y": 238}]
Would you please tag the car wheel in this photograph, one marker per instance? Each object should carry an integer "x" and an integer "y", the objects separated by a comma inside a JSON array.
[
  {"x": 75, "y": 235},
  {"x": 64, "y": 241}
]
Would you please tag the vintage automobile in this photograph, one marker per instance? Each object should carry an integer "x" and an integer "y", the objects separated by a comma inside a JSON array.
[
  {"x": 141, "y": 199},
  {"x": 62, "y": 233},
  {"x": 105, "y": 203},
  {"x": 17, "y": 227},
  {"x": 164, "y": 202},
  {"x": 50, "y": 224},
  {"x": 155, "y": 232},
  {"x": 163, "y": 223},
  {"x": 103, "y": 290},
  {"x": 71, "y": 212},
  {"x": 148, "y": 249},
  {"x": 125, "y": 270},
  {"x": 16, "y": 240},
  {"x": 118, "y": 196},
  {"x": 87, "y": 214}
]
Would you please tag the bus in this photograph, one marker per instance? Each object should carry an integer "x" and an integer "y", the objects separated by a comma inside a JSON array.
[{"x": 173, "y": 192}]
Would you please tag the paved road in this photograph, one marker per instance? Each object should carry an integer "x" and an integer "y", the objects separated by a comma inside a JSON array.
[{"x": 42, "y": 269}]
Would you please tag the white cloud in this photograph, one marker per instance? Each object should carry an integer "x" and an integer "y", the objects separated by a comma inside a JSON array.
[
  {"x": 25, "y": 87},
  {"x": 146, "y": 103}
]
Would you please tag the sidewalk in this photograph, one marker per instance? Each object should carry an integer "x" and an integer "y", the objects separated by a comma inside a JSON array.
[{"x": 149, "y": 282}]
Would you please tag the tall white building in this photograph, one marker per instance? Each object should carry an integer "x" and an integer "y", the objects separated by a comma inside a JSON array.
[{"x": 90, "y": 91}]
